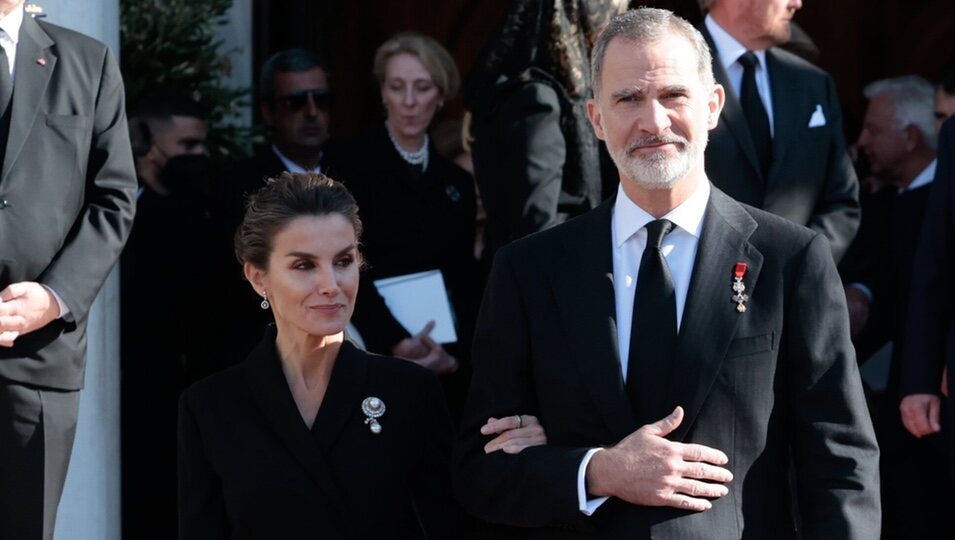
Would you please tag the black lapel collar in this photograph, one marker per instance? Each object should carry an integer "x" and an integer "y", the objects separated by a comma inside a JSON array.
[
  {"x": 732, "y": 114},
  {"x": 791, "y": 111},
  {"x": 29, "y": 85},
  {"x": 709, "y": 316},
  {"x": 583, "y": 286},
  {"x": 268, "y": 385},
  {"x": 342, "y": 403}
]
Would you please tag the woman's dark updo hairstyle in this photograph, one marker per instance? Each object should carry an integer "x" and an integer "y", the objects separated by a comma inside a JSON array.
[{"x": 282, "y": 200}]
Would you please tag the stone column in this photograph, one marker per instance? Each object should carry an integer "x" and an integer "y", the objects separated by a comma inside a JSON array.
[
  {"x": 236, "y": 36},
  {"x": 90, "y": 507}
]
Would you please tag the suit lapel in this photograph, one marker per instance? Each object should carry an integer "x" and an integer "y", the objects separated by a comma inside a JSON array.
[
  {"x": 709, "y": 316},
  {"x": 268, "y": 385},
  {"x": 29, "y": 86},
  {"x": 732, "y": 114},
  {"x": 343, "y": 398},
  {"x": 584, "y": 279},
  {"x": 789, "y": 109}
]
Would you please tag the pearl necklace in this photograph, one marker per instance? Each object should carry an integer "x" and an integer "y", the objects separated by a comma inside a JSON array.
[{"x": 418, "y": 157}]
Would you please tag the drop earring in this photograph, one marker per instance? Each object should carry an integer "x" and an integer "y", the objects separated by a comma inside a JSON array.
[{"x": 265, "y": 300}]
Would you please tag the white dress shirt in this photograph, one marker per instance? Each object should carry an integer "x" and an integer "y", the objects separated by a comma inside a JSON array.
[
  {"x": 10, "y": 36},
  {"x": 290, "y": 165},
  {"x": 629, "y": 237},
  {"x": 924, "y": 178},
  {"x": 728, "y": 51}
]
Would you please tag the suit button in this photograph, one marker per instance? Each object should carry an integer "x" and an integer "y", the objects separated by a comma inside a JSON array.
[{"x": 3, "y": 204}]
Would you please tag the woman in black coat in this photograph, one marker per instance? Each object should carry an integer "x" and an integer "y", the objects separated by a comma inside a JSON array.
[
  {"x": 311, "y": 437},
  {"x": 418, "y": 207}
]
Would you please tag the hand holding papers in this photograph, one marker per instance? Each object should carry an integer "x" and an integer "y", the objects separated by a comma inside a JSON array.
[{"x": 417, "y": 299}]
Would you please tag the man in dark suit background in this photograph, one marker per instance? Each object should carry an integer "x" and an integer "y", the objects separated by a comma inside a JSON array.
[
  {"x": 67, "y": 196},
  {"x": 930, "y": 330},
  {"x": 779, "y": 145},
  {"x": 294, "y": 103},
  {"x": 735, "y": 321},
  {"x": 898, "y": 138}
]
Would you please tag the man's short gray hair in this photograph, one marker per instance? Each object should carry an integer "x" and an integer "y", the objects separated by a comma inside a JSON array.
[
  {"x": 646, "y": 25},
  {"x": 913, "y": 101}
]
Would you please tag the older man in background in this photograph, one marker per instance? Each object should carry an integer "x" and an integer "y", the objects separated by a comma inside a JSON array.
[{"x": 780, "y": 145}]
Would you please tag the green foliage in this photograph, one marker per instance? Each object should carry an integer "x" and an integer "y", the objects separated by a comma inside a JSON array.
[{"x": 172, "y": 44}]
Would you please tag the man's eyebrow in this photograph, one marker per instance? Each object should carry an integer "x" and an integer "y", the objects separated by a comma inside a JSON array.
[
  {"x": 627, "y": 92},
  {"x": 676, "y": 88}
]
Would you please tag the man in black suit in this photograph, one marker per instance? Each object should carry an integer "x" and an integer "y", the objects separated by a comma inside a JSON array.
[
  {"x": 779, "y": 145},
  {"x": 898, "y": 138},
  {"x": 294, "y": 102},
  {"x": 930, "y": 330},
  {"x": 735, "y": 322},
  {"x": 67, "y": 197}
]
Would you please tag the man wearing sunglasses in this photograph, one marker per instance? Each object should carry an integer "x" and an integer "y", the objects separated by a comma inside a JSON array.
[{"x": 294, "y": 106}]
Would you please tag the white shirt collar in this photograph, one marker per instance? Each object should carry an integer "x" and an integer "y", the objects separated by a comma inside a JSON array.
[
  {"x": 628, "y": 218},
  {"x": 727, "y": 48},
  {"x": 290, "y": 165},
  {"x": 923, "y": 179},
  {"x": 11, "y": 24}
]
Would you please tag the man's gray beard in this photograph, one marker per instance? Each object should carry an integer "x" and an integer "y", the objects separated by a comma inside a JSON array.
[{"x": 656, "y": 170}]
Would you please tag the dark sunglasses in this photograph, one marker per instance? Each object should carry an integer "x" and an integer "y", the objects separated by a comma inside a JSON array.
[{"x": 296, "y": 101}]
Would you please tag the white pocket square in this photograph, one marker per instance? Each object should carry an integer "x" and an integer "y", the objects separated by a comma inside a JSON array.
[{"x": 818, "y": 119}]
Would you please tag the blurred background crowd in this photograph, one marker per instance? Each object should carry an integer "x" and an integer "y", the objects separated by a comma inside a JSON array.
[{"x": 461, "y": 126}]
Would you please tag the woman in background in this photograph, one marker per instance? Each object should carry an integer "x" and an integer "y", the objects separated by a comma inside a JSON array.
[{"x": 418, "y": 207}]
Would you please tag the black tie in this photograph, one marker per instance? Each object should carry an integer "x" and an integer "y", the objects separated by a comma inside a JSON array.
[
  {"x": 653, "y": 332},
  {"x": 6, "y": 101},
  {"x": 755, "y": 113}
]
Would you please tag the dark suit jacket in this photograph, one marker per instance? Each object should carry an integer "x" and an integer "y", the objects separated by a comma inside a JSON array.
[
  {"x": 888, "y": 268},
  {"x": 412, "y": 223},
  {"x": 67, "y": 192},
  {"x": 930, "y": 332},
  {"x": 811, "y": 180},
  {"x": 531, "y": 173},
  {"x": 249, "y": 467},
  {"x": 775, "y": 383}
]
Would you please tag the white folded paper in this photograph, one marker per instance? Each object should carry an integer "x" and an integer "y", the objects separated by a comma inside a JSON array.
[{"x": 415, "y": 299}]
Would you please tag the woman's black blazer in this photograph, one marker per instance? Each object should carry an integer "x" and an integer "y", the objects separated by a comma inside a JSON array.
[{"x": 249, "y": 467}]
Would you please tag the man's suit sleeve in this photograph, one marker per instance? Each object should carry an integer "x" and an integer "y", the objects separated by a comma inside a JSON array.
[
  {"x": 835, "y": 452},
  {"x": 537, "y": 487},
  {"x": 99, "y": 233},
  {"x": 930, "y": 310},
  {"x": 837, "y": 213}
]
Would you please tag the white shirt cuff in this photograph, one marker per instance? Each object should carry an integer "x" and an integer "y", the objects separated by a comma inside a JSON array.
[
  {"x": 587, "y": 506},
  {"x": 64, "y": 311}
]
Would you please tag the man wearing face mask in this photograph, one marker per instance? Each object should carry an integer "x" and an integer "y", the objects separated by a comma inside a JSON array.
[{"x": 169, "y": 272}]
